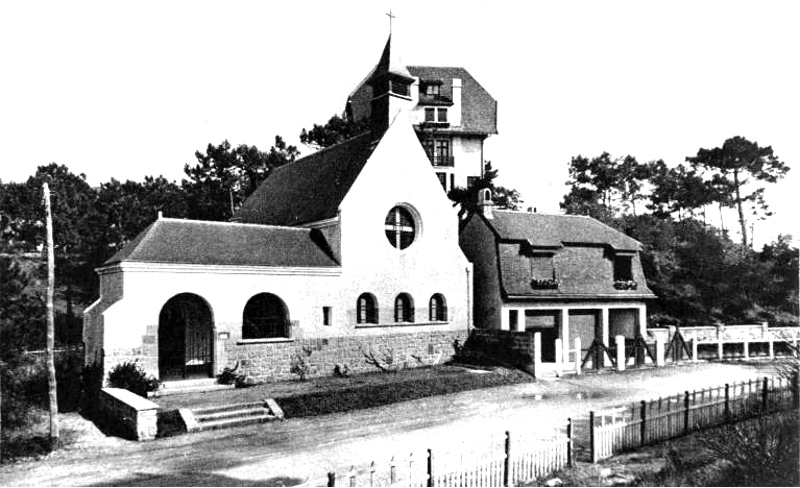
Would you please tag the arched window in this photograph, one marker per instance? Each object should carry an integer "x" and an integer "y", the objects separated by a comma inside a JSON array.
[
  {"x": 403, "y": 308},
  {"x": 367, "y": 309},
  {"x": 437, "y": 308},
  {"x": 265, "y": 316}
]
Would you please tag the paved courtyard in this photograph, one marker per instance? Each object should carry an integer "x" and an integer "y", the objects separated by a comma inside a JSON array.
[{"x": 308, "y": 447}]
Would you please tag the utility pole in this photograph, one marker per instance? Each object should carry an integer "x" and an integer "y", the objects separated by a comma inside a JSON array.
[{"x": 51, "y": 333}]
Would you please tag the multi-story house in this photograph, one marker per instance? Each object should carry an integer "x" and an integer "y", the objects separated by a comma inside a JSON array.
[{"x": 451, "y": 112}]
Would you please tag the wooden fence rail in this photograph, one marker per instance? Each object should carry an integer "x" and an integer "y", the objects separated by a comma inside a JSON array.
[
  {"x": 498, "y": 461},
  {"x": 624, "y": 428}
]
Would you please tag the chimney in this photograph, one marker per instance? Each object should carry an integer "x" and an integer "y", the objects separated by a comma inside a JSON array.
[
  {"x": 454, "y": 114},
  {"x": 485, "y": 202}
]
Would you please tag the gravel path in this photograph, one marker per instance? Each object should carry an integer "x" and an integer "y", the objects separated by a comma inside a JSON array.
[{"x": 296, "y": 449}]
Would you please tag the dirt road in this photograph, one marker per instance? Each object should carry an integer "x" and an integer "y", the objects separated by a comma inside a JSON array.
[{"x": 297, "y": 449}]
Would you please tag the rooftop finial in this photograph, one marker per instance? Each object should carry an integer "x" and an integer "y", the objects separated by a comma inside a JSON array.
[{"x": 391, "y": 17}]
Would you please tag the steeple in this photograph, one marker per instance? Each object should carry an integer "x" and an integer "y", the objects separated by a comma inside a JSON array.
[{"x": 391, "y": 87}]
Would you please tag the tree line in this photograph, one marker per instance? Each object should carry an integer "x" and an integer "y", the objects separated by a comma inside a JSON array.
[{"x": 698, "y": 272}]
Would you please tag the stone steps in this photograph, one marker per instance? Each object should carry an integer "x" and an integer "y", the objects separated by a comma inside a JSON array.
[{"x": 227, "y": 416}]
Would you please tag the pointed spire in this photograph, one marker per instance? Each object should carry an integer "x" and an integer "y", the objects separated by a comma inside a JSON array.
[{"x": 391, "y": 63}]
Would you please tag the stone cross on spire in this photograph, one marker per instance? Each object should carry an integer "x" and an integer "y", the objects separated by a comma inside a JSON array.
[{"x": 391, "y": 17}]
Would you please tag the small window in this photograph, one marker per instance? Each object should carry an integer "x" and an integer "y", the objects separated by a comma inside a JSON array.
[
  {"x": 432, "y": 90},
  {"x": 399, "y": 87},
  {"x": 437, "y": 308},
  {"x": 442, "y": 112},
  {"x": 326, "y": 315},
  {"x": 367, "y": 309},
  {"x": 403, "y": 308},
  {"x": 430, "y": 115},
  {"x": 513, "y": 319}
]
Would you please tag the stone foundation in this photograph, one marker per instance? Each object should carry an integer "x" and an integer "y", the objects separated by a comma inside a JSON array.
[{"x": 273, "y": 360}]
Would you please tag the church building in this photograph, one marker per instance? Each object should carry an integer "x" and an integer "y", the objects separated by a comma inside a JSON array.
[{"x": 351, "y": 252}]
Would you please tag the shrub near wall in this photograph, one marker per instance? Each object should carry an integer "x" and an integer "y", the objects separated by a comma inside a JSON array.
[{"x": 506, "y": 347}]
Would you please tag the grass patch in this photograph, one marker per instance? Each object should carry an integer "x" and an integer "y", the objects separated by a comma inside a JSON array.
[{"x": 397, "y": 387}]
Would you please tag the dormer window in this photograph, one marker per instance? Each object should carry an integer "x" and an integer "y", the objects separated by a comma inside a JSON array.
[
  {"x": 623, "y": 270},
  {"x": 432, "y": 90}
]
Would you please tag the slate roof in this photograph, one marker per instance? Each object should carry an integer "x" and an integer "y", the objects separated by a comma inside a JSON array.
[
  {"x": 542, "y": 230},
  {"x": 311, "y": 188},
  {"x": 582, "y": 251},
  {"x": 478, "y": 108},
  {"x": 176, "y": 241}
]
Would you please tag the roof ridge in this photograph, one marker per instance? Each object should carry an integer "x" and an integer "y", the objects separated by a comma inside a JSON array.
[{"x": 247, "y": 224}]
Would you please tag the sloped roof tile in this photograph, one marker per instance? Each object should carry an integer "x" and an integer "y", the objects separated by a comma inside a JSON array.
[
  {"x": 311, "y": 188},
  {"x": 175, "y": 241}
]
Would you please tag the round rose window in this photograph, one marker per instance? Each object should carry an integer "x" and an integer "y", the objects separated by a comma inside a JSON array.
[{"x": 400, "y": 227}]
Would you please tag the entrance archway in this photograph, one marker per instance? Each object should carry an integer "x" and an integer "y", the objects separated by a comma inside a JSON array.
[{"x": 185, "y": 338}]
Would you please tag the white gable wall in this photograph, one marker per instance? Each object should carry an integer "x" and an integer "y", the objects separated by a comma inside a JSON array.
[{"x": 399, "y": 173}]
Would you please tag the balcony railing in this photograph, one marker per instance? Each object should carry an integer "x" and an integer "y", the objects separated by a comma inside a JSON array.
[{"x": 441, "y": 160}]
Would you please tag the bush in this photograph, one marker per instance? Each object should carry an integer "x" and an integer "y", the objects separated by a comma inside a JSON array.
[
  {"x": 130, "y": 376},
  {"x": 761, "y": 452}
]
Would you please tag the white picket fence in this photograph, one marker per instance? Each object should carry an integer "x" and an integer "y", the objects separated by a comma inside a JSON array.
[
  {"x": 501, "y": 460},
  {"x": 624, "y": 428}
]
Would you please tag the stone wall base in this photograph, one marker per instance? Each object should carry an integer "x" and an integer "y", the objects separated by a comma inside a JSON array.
[{"x": 280, "y": 361}]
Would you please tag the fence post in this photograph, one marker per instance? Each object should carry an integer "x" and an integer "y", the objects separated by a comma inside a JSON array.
[
  {"x": 507, "y": 464},
  {"x": 331, "y": 478},
  {"x": 694, "y": 347},
  {"x": 727, "y": 402},
  {"x": 765, "y": 394},
  {"x": 660, "y": 360},
  {"x": 578, "y": 357},
  {"x": 643, "y": 427},
  {"x": 620, "y": 343},
  {"x": 686, "y": 425},
  {"x": 430, "y": 467},
  {"x": 592, "y": 441},
  {"x": 570, "y": 445}
]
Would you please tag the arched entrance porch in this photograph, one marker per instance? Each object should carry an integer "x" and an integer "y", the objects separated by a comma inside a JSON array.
[{"x": 185, "y": 338}]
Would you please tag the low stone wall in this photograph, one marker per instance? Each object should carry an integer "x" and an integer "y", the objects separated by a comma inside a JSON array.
[
  {"x": 127, "y": 414},
  {"x": 272, "y": 361},
  {"x": 505, "y": 346}
]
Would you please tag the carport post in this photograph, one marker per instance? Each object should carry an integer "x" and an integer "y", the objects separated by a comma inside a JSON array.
[
  {"x": 771, "y": 348},
  {"x": 578, "y": 357},
  {"x": 620, "y": 343},
  {"x": 746, "y": 348},
  {"x": 537, "y": 351},
  {"x": 719, "y": 348},
  {"x": 694, "y": 347},
  {"x": 559, "y": 356}
]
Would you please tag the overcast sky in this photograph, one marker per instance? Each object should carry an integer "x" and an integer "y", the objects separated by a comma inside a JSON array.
[{"x": 124, "y": 90}]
